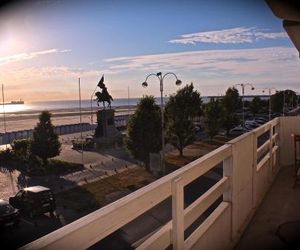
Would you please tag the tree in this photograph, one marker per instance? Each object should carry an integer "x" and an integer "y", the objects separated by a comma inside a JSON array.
[
  {"x": 45, "y": 142},
  {"x": 286, "y": 98},
  {"x": 290, "y": 98},
  {"x": 213, "y": 117},
  {"x": 255, "y": 105},
  {"x": 180, "y": 111},
  {"x": 144, "y": 130},
  {"x": 231, "y": 102},
  {"x": 277, "y": 101},
  {"x": 21, "y": 148}
]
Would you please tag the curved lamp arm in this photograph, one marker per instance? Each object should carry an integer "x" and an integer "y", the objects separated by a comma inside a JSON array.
[
  {"x": 161, "y": 78},
  {"x": 178, "y": 82},
  {"x": 145, "y": 84}
]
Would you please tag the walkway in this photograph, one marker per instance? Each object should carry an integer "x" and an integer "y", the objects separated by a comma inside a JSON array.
[
  {"x": 281, "y": 205},
  {"x": 97, "y": 165}
]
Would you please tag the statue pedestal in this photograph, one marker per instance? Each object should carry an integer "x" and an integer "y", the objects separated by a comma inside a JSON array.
[{"x": 106, "y": 132}]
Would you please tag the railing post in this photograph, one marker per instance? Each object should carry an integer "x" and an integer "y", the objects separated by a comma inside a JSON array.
[
  {"x": 270, "y": 153},
  {"x": 276, "y": 143},
  {"x": 177, "y": 214},
  {"x": 241, "y": 182},
  {"x": 227, "y": 196},
  {"x": 254, "y": 171}
]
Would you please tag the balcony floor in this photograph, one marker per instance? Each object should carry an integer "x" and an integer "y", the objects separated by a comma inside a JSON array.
[{"x": 281, "y": 205}]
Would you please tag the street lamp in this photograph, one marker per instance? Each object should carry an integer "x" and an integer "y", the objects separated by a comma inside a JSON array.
[
  {"x": 270, "y": 107},
  {"x": 161, "y": 78},
  {"x": 92, "y": 95},
  {"x": 243, "y": 85}
]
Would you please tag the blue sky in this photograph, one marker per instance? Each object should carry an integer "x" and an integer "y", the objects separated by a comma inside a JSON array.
[{"x": 46, "y": 45}]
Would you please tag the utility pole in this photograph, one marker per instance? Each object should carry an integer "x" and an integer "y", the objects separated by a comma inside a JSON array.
[
  {"x": 4, "y": 116},
  {"x": 81, "y": 139},
  {"x": 4, "y": 123}
]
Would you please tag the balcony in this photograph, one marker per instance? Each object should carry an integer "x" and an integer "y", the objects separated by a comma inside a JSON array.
[{"x": 217, "y": 218}]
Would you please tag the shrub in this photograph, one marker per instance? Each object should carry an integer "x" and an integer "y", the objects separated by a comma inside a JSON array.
[
  {"x": 6, "y": 155},
  {"x": 21, "y": 148}
]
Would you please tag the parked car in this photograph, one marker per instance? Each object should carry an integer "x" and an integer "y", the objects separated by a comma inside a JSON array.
[
  {"x": 238, "y": 130},
  {"x": 260, "y": 121},
  {"x": 249, "y": 127},
  {"x": 34, "y": 200},
  {"x": 9, "y": 216},
  {"x": 250, "y": 122}
]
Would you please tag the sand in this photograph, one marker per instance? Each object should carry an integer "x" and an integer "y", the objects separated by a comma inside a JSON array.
[{"x": 28, "y": 120}]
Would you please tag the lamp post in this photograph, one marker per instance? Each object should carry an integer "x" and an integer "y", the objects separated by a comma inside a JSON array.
[
  {"x": 243, "y": 85},
  {"x": 92, "y": 95},
  {"x": 270, "y": 105},
  {"x": 161, "y": 78}
]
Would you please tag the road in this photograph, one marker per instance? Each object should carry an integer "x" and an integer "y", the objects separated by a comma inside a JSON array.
[
  {"x": 131, "y": 235},
  {"x": 97, "y": 165}
]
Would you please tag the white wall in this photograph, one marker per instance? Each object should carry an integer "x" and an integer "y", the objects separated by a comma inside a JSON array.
[{"x": 288, "y": 125}]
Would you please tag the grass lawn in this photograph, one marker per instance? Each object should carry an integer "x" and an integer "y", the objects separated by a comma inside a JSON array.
[
  {"x": 107, "y": 190},
  {"x": 99, "y": 193},
  {"x": 194, "y": 151}
]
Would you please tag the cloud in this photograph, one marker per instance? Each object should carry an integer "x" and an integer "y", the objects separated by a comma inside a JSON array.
[
  {"x": 49, "y": 72},
  {"x": 273, "y": 65},
  {"x": 212, "y": 72},
  {"x": 226, "y": 36},
  {"x": 29, "y": 55},
  {"x": 235, "y": 61}
]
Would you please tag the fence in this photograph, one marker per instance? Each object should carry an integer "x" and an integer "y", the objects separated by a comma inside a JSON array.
[
  {"x": 120, "y": 121},
  {"x": 248, "y": 171}
]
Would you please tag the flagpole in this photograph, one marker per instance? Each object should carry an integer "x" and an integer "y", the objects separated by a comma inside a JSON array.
[
  {"x": 128, "y": 102},
  {"x": 79, "y": 89},
  {"x": 98, "y": 85},
  {"x": 4, "y": 123},
  {"x": 4, "y": 117}
]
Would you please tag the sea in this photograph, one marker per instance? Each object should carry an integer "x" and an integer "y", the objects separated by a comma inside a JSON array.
[
  {"x": 64, "y": 106},
  {"x": 73, "y": 105}
]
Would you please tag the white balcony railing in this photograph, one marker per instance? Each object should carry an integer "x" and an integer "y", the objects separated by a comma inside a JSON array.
[{"x": 248, "y": 171}]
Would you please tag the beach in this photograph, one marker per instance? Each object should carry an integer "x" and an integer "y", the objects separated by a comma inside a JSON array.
[{"x": 28, "y": 119}]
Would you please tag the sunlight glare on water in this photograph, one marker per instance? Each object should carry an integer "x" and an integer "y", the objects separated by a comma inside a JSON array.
[{"x": 12, "y": 108}]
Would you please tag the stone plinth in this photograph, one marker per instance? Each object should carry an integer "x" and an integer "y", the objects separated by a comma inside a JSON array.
[{"x": 106, "y": 132}]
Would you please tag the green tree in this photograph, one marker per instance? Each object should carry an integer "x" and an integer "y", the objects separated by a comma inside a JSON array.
[
  {"x": 213, "y": 117},
  {"x": 277, "y": 101},
  {"x": 21, "y": 148},
  {"x": 144, "y": 130},
  {"x": 45, "y": 143},
  {"x": 255, "y": 105},
  {"x": 288, "y": 98},
  {"x": 231, "y": 102},
  {"x": 180, "y": 111}
]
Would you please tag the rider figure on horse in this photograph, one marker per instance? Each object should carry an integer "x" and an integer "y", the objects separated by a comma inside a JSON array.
[{"x": 103, "y": 96}]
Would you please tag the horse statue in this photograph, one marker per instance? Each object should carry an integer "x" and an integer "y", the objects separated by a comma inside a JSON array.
[{"x": 104, "y": 96}]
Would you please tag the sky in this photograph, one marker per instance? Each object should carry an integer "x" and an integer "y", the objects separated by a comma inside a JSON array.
[{"x": 45, "y": 46}]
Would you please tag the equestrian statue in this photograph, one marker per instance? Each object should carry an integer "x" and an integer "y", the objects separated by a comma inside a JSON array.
[{"x": 103, "y": 96}]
